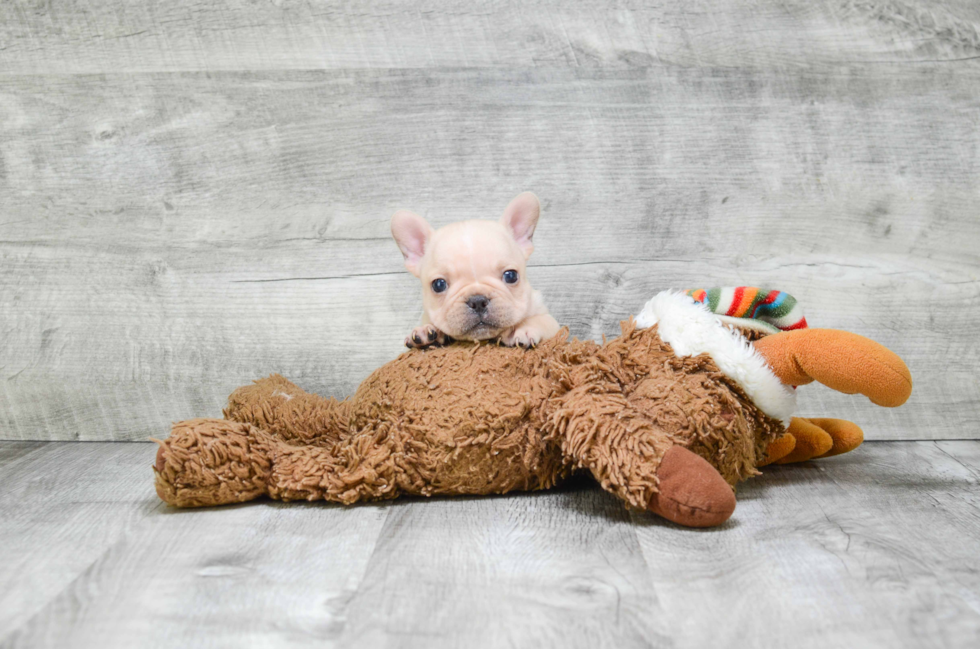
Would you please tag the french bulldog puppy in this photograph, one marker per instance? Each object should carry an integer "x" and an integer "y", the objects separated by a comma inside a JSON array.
[{"x": 473, "y": 277}]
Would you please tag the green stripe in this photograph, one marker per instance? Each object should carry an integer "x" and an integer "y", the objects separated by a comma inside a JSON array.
[
  {"x": 760, "y": 295},
  {"x": 714, "y": 294},
  {"x": 783, "y": 309}
]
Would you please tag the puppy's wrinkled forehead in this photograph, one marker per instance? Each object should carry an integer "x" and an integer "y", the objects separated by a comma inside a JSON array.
[{"x": 472, "y": 249}]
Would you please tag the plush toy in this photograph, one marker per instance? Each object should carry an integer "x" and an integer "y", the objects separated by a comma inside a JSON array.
[{"x": 668, "y": 417}]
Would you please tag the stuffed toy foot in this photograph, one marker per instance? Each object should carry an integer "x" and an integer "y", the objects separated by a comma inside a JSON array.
[
  {"x": 212, "y": 462},
  {"x": 692, "y": 492},
  {"x": 813, "y": 438}
]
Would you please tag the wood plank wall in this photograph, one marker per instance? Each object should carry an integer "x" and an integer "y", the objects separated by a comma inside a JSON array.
[{"x": 194, "y": 195}]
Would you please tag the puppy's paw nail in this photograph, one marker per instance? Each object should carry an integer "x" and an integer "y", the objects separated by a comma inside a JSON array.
[
  {"x": 433, "y": 334},
  {"x": 417, "y": 339}
]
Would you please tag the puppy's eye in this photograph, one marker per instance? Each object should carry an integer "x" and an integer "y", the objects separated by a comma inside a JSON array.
[
  {"x": 511, "y": 276},
  {"x": 439, "y": 285}
]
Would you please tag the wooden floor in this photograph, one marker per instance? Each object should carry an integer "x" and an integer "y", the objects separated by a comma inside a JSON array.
[{"x": 879, "y": 548}]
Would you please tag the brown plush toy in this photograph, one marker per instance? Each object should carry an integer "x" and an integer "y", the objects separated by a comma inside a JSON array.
[{"x": 668, "y": 417}]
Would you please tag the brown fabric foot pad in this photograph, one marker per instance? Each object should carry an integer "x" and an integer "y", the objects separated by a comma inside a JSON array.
[{"x": 692, "y": 492}]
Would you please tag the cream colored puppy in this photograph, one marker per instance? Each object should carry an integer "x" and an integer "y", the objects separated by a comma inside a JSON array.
[{"x": 473, "y": 277}]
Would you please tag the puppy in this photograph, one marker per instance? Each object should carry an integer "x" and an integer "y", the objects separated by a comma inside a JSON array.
[{"x": 473, "y": 277}]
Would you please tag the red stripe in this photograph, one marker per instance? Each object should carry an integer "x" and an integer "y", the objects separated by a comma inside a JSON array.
[
  {"x": 770, "y": 298},
  {"x": 736, "y": 301},
  {"x": 799, "y": 325}
]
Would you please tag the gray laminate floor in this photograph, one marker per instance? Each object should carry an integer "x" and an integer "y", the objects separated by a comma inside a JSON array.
[{"x": 879, "y": 548}]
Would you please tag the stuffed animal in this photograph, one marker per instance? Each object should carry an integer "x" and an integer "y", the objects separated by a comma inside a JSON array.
[{"x": 668, "y": 417}]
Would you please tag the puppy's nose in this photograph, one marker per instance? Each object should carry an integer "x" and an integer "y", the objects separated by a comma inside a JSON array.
[{"x": 478, "y": 303}]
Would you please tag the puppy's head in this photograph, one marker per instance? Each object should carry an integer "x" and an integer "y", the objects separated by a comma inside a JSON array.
[{"x": 472, "y": 272}]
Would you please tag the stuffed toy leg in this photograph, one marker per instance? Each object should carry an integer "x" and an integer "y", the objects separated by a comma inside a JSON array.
[{"x": 280, "y": 441}]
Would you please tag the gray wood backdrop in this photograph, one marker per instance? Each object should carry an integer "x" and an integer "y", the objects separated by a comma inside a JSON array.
[{"x": 193, "y": 195}]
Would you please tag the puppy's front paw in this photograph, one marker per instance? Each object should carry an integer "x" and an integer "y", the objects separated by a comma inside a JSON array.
[
  {"x": 426, "y": 336},
  {"x": 522, "y": 336}
]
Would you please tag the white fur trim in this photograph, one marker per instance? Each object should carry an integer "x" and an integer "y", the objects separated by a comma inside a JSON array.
[{"x": 691, "y": 329}]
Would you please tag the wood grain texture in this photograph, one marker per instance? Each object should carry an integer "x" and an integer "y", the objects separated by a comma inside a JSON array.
[
  {"x": 86, "y": 36},
  {"x": 195, "y": 195},
  {"x": 63, "y": 507},
  {"x": 265, "y": 576},
  {"x": 876, "y": 549},
  {"x": 544, "y": 570},
  {"x": 158, "y": 251},
  {"x": 872, "y": 549}
]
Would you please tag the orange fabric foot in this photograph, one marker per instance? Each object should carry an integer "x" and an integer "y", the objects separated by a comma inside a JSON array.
[
  {"x": 847, "y": 435},
  {"x": 806, "y": 438},
  {"x": 779, "y": 449},
  {"x": 692, "y": 492},
  {"x": 840, "y": 360},
  {"x": 811, "y": 441}
]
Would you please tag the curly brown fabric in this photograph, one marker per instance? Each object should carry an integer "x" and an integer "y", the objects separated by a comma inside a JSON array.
[{"x": 473, "y": 419}]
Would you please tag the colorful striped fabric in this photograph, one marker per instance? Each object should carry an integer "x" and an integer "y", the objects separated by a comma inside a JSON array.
[{"x": 778, "y": 308}]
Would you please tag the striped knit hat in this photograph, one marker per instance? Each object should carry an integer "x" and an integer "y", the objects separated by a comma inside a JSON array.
[{"x": 778, "y": 308}]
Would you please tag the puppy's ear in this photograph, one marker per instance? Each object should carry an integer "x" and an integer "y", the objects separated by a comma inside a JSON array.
[
  {"x": 520, "y": 218},
  {"x": 412, "y": 234}
]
